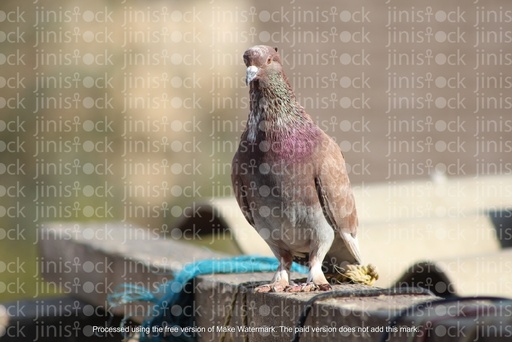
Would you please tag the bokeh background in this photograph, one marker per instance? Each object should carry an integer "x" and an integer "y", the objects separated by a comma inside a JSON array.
[{"x": 131, "y": 111}]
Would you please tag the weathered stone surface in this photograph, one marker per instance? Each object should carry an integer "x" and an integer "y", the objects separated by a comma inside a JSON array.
[
  {"x": 103, "y": 256},
  {"x": 329, "y": 319}
]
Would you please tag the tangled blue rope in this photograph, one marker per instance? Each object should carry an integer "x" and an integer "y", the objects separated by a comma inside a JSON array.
[{"x": 174, "y": 295}]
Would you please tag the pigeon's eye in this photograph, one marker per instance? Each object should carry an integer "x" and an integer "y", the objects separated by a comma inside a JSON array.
[{"x": 269, "y": 60}]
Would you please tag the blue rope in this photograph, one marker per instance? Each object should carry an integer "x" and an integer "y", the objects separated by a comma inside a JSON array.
[{"x": 173, "y": 296}]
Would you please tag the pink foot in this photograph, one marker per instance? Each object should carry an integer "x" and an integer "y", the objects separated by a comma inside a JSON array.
[
  {"x": 274, "y": 287},
  {"x": 308, "y": 287}
]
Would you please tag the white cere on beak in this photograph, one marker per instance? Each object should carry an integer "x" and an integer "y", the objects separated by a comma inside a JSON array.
[{"x": 250, "y": 74}]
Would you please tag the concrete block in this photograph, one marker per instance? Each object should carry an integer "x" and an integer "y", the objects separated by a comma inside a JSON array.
[
  {"x": 275, "y": 316},
  {"x": 396, "y": 245},
  {"x": 484, "y": 274},
  {"x": 446, "y": 198},
  {"x": 88, "y": 261}
]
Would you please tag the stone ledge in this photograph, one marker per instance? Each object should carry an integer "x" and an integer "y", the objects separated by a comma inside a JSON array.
[
  {"x": 88, "y": 261},
  {"x": 111, "y": 254},
  {"x": 280, "y": 312}
]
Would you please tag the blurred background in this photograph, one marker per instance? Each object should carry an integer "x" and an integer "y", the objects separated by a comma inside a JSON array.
[{"x": 131, "y": 111}]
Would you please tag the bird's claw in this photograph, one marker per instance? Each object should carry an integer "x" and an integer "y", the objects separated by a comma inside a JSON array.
[
  {"x": 269, "y": 288},
  {"x": 308, "y": 287},
  {"x": 305, "y": 287}
]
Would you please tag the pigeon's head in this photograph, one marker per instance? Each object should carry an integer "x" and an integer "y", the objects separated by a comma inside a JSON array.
[{"x": 261, "y": 60}]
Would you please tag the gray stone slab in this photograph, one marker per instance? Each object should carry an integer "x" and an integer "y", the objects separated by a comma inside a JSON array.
[{"x": 88, "y": 261}]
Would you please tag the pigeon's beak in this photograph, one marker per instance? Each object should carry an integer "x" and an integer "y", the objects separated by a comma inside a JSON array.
[{"x": 250, "y": 74}]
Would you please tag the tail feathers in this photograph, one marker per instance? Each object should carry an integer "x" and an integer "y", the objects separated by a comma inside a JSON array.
[
  {"x": 352, "y": 245},
  {"x": 344, "y": 251}
]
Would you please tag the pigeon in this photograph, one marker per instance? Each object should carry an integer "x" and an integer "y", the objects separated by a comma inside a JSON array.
[{"x": 291, "y": 182}]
